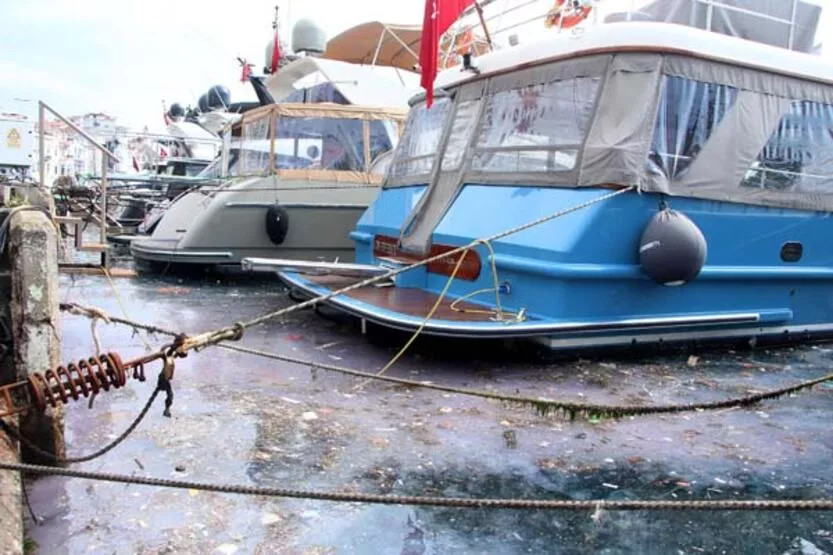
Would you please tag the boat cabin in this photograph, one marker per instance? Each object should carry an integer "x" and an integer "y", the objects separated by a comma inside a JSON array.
[
  {"x": 688, "y": 113},
  {"x": 315, "y": 141}
]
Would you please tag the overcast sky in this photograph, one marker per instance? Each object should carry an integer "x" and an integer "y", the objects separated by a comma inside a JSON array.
[{"x": 124, "y": 57}]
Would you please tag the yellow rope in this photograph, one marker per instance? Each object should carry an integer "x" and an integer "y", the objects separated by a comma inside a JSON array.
[
  {"x": 425, "y": 320},
  {"x": 121, "y": 306},
  {"x": 495, "y": 283},
  {"x": 498, "y": 315}
]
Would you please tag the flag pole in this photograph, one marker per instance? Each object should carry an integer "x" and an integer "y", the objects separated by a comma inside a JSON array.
[{"x": 479, "y": 10}]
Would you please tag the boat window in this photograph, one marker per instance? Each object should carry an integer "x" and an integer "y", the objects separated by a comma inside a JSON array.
[
  {"x": 537, "y": 128},
  {"x": 461, "y": 130},
  {"x": 212, "y": 170},
  {"x": 194, "y": 168},
  {"x": 383, "y": 139},
  {"x": 323, "y": 92},
  {"x": 319, "y": 143},
  {"x": 688, "y": 113},
  {"x": 254, "y": 147},
  {"x": 421, "y": 140},
  {"x": 187, "y": 168},
  {"x": 799, "y": 155}
]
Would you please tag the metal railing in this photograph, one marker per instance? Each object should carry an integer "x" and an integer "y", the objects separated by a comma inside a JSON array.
[
  {"x": 529, "y": 11},
  {"x": 712, "y": 4},
  {"x": 105, "y": 154}
]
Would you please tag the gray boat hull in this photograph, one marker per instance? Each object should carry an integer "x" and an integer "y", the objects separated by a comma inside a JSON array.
[{"x": 220, "y": 227}]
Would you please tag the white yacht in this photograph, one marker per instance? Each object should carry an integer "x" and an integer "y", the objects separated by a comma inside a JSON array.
[{"x": 297, "y": 173}]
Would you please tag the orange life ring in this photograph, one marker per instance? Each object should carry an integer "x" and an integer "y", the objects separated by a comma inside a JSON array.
[
  {"x": 565, "y": 17},
  {"x": 464, "y": 42},
  {"x": 454, "y": 46}
]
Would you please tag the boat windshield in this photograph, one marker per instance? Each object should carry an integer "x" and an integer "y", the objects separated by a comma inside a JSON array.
[
  {"x": 212, "y": 170},
  {"x": 289, "y": 138},
  {"x": 330, "y": 143},
  {"x": 319, "y": 143},
  {"x": 421, "y": 140}
]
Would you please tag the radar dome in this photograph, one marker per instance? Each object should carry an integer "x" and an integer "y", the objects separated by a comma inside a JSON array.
[
  {"x": 176, "y": 111},
  {"x": 309, "y": 38},
  {"x": 219, "y": 97}
]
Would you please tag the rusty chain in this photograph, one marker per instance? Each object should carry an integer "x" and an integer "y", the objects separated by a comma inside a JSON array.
[
  {"x": 161, "y": 386},
  {"x": 461, "y": 502}
]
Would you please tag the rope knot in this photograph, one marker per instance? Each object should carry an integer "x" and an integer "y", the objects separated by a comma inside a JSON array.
[
  {"x": 238, "y": 329},
  {"x": 175, "y": 349}
]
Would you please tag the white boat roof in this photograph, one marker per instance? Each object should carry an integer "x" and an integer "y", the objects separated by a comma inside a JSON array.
[
  {"x": 361, "y": 85},
  {"x": 646, "y": 37}
]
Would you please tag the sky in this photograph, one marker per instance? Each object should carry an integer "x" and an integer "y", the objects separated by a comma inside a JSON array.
[{"x": 125, "y": 57}]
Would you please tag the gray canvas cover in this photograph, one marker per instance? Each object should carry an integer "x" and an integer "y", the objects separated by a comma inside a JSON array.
[
  {"x": 725, "y": 133},
  {"x": 719, "y": 169},
  {"x": 736, "y": 23},
  {"x": 617, "y": 144}
]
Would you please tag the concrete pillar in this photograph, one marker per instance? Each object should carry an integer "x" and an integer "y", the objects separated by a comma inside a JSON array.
[
  {"x": 11, "y": 504},
  {"x": 33, "y": 256}
]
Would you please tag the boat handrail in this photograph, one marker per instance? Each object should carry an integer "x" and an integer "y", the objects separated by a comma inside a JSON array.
[
  {"x": 105, "y": 155},
  {"x": 470, "y": 20}
]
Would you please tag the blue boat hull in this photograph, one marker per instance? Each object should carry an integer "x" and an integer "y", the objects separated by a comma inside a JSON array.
[{"x": 577, "y": 279}]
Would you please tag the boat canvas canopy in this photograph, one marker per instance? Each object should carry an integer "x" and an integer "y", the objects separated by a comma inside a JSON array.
[
  {"x": 666, "y": 122},
  {"x": 377, "y": 43},
  {"x": 767, "y": 21},
  {"x": 315, "y": 142}
]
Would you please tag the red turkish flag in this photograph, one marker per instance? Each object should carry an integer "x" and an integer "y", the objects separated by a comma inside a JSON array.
[
  {"x": 439, "y": 15},
  {"x": 276, "y": 53},
  {"x": 246, "y": 72}
]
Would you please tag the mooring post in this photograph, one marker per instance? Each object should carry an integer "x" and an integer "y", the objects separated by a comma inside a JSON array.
[{"x": 33, "y": 257}]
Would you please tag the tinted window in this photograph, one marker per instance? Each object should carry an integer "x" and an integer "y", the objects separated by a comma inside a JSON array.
[
  {"x": 688, "y": 113},
  {"x": 799, "y": 153}
]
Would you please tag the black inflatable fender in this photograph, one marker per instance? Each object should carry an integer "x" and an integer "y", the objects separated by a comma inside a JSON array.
[
  {"x": 277, "y": 223},
  {"x": 672, "y": 249}
]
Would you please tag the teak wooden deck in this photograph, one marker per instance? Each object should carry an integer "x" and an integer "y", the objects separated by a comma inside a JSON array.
[{"x": 405, "y": 300}]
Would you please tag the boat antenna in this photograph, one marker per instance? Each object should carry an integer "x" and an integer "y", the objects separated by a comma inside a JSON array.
[{"x": 275, "y": 21}]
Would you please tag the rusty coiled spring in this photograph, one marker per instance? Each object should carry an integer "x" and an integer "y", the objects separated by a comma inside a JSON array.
[{"x": 73, "y": 381}]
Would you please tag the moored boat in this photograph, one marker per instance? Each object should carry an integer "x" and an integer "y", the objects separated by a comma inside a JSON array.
[
  {"x": 297, "y": 174},
  {"x": 720, "y": 148}
]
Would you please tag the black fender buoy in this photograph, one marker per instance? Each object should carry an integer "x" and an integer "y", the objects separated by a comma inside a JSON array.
[
  {"x": 672, "y": 249},
  {"x": 277, "y": 223}
]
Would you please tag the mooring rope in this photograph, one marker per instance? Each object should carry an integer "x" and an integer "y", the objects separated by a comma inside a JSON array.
[
  {"x": 544, "y": 406},
  {"x": 422, "y": 324},
  {"x": 459, "y": 502},
  {"x": 121, "y": 304},
  {"x": 94, "y": 314}
]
